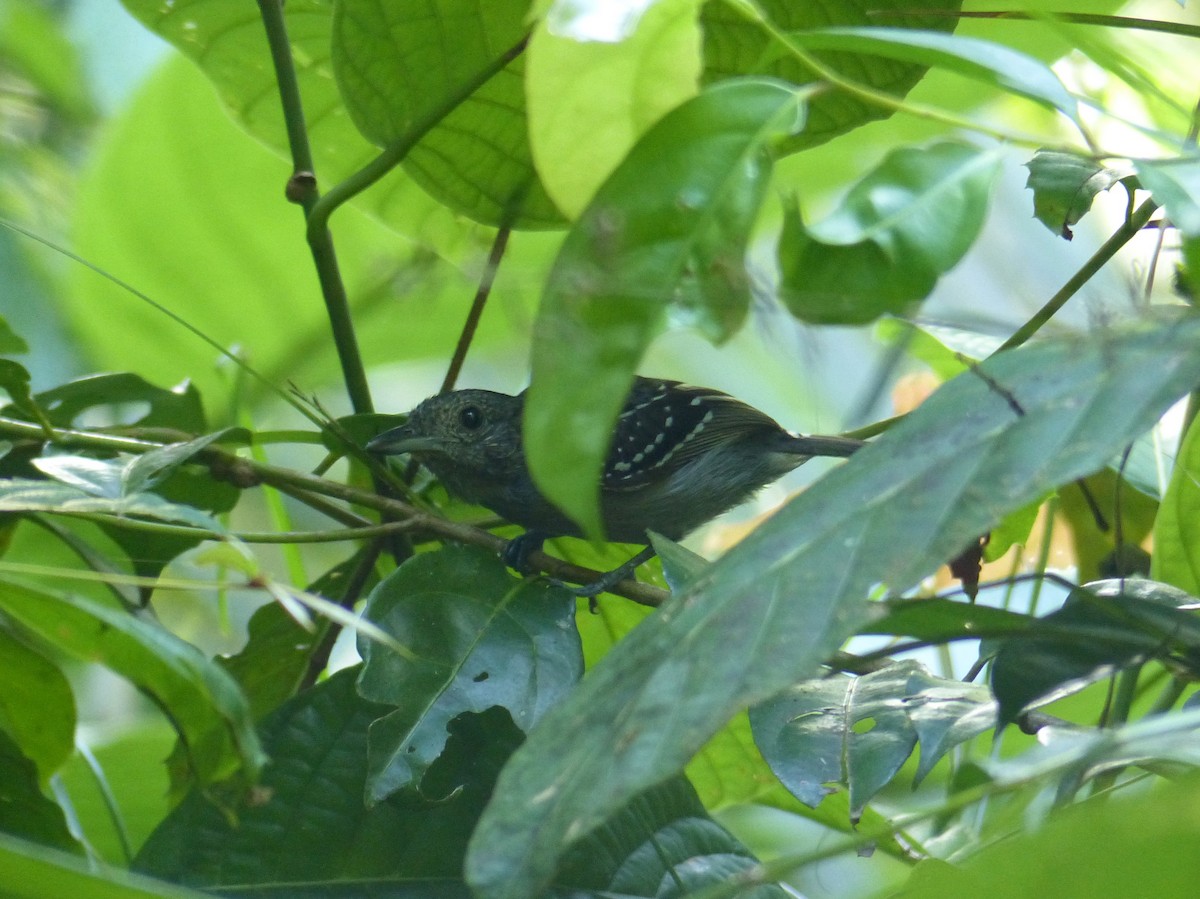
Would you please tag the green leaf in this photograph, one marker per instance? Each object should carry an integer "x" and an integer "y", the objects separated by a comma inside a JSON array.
[
  {"x": 1065, "y": 185},
  {"x": 202, "y": 701},
  {"x": 310, "y": 826},
  {"x": 434, "y": 72},
  {"x": 779, "y": 603},
  {"x": 1130, "y": 847},
  {"x": 735, "y": 46},
  {"x": 943, "y": 620},
  {"x": 11, "y": 343},
  {"x": 131, "y": 767},
  {"x": 859, "y": 731},
  {"x": 902, "y": 226},
  {"x": 992, "y": 63},
  {"x": 1089, "y": 638},
  {"x": 666, "y": 233},
  {"x": 611, "y": 91},
  {"x": 27, "y": 495},
  {"x": 663, "y": 840},
  {"x": 37, "y": 707},
  {"x": 24, "y": 809},
  {"x": 1176, "y": 557},
  {"x": 14, "y": 380},
  {"x": 123, "y": 398},
  {"x": 30, "y": 871},
  {"x": 1175, "y": 185},
  {"x": 479, "y": 638}
]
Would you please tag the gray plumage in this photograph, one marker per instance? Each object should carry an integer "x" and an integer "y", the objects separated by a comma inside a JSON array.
[{"x": 680, "y": 456}]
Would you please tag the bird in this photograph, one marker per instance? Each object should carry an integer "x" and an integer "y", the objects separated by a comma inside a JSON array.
[{"x": 680, "y": 456}]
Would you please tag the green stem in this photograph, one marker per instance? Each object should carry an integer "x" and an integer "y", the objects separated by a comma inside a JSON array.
[
  {"x": 302, "y": 188},
  {"x": 246, "y": 473},
  {"x": 1107, "y": 250},
  {"x": 476, "y": 312},
  {"x": 1072, "y": 18}
]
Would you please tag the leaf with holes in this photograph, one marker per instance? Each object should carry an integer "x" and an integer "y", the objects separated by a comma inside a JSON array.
[
  {"x": 1065, "y": 185},
  {"x": 479, "y": 638},
  {"x": 858, "y": 731}
]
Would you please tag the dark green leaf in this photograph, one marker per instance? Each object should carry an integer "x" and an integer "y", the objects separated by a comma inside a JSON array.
[
  {"x": 735, "y": 46},
  {"x": 202, "y": 701},
  {"x": 942, "y": 620},
  {"x": 660, "y": 843},
  {"x": 24, "y": 809},
  {"x": 905, "y": 224},
  {"x": 126, "y": 399},
  {"x": 309, "y": 824},
  {"x": 1065, "y": 185},
  {"x": 666, "y": 233},
  {"x": 269, "y": 667},
  {"x": 858, "y": 731},
  {"x": 479, "y": 637},
  {"x": 777, "y": 605},
  {"x": 410, "y": 71},
  {"x": 985, "y": 61},
  {"x": 1090, "y": 637},
  {"x": 37, "y": 707}
]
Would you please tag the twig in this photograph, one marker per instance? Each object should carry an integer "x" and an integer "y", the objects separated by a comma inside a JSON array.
[
  {"x": 476, "y": 312},
  {"x": 302, "y": 189}
]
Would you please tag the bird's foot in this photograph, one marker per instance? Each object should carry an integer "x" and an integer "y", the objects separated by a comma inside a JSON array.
[
  {"x": 516, "y": 554},
  {"x": 611, "y": 578}
]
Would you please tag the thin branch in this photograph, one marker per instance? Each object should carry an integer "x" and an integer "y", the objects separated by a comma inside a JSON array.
[
  {"x": 1107, "y": 250},
  {"x": 302, "y": 189},
  {"x": 476, "y": 312},
  {"x": 245, "y": 473}
]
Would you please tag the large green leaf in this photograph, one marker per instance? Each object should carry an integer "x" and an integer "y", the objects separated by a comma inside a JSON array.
[
  {"x": 37, "y": 707},
  {"x": 665, "y": 235},
  {"x": 734, "y": 45},
  {"x": 1091, "y": 637},
  {"x": 1126, "y": 847},
  {"x": 435, "y": 70},
  {"x": 991, "y": 63},
  {"x": 777, "y": 605},
  {"x": 859, "y": 731},
  {"x": 202, "y": 701},
  {"x": 479, "y": 638},
  {"x": 310, "y": 825},
  {"x": 902, "y": 226},
  {"x": 611, "y": 91}
]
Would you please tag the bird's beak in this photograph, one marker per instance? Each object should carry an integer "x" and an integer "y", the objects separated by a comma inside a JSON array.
[{"x": 402, "y": 440}]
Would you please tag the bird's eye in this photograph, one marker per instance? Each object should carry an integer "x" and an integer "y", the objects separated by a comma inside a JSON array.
[{"x": 470, "y": 417}]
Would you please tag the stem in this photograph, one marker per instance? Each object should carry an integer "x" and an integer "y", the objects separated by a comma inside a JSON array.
[
  {"x": 354, "y": 588},
  {"x": 476, "y": 312},
  {"x": 246, "y": 473},
  {"x": 1107, "y": 250},
  {"x": 302, "y": 188}
]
